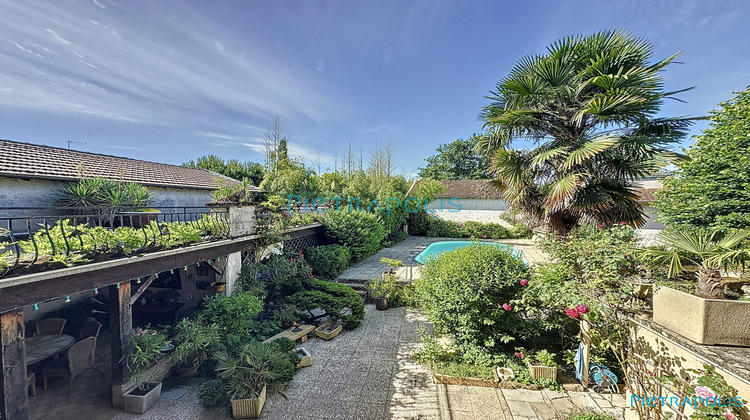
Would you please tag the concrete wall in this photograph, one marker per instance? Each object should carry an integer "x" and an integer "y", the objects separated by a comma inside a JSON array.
[
  {"x": 17, "y": 192},
  {"x": 475, "y": 210}
]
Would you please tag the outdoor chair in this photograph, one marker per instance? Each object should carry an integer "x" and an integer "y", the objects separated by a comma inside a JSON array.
[
  {"x": 80, "y": 356},
  {"x": 50, "y": 326},
  {"x": 91, "y": 328}
]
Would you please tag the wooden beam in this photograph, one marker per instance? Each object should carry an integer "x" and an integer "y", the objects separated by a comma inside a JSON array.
[
  {"x": 33, "y": 288},
  {"x": 143, "y": 288},
  {"x": 121, "y": 330},
  {"x": 14, "y": 393}
]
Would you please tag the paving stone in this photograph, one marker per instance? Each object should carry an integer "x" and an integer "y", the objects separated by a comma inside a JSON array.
[
  {"x": 523, "y": 395},
  {"x": 521, "y": 408},
  {"x": 544, "y": 410}
]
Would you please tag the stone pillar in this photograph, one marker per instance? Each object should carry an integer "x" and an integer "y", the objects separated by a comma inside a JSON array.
[
  {"x": 241, "y": 220},
  {"x": 14, "y": 393},
  {"x": 232, "y": 272}
]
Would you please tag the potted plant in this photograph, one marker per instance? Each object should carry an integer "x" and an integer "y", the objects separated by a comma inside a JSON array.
[
  {"x": 542, "y": 365},
  {"x": 194, "y": 339},
  {"x": 391, "y": 265},
  {"x": 706, "y": 317},
  {"x": 380, "y": 289},
  {"x": 146, "y": 351},
  {"x": 249, "y": 373}
]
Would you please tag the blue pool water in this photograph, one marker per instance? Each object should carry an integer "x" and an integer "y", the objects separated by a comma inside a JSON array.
[{"x": 436, "y": 248}]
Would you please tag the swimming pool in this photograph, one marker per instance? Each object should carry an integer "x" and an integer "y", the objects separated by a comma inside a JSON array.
[{"x": 436, "y": 248}]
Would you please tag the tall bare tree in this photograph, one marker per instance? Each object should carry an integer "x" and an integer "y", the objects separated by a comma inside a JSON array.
[{"x": 271, "y": 139}]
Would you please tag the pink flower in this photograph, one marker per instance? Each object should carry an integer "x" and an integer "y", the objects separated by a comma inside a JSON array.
[
  {"x": 507, "y": 307},
  {"x": 625, "y": 256},
  {"x": 153, "y": 332},
  {"x": 524, "y": 282},
  {"x": 582, "y": 309},
  {"x": 572, "y": 313},
  {"x": 519, "y": 355},
  {"x": 623, "y": 223},
  {"x": 706, "y": 393},
  {"x": 728, "y": 414},
  {"x": 600, "y": 226},
  {"x": 484, "y": 236}
]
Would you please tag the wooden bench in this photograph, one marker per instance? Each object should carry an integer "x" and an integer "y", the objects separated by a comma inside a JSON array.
[{"x": 294, "y": 335}]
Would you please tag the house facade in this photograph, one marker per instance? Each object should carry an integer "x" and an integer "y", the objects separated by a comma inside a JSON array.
[{"x": 31, "y": 175}]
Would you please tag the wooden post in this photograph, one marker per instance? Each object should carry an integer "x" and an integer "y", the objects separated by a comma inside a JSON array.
[
  {"x": 14, "y": 395},
  {"x": 121, "y": 327},
  {"x": 586, "y": 340}
]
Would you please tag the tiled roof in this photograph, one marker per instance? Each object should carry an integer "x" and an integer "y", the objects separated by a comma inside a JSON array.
[
  {"x": 483, "y": 189},
  {"x": 470, "y": 188},
  {"x": 25, "y": 160}
]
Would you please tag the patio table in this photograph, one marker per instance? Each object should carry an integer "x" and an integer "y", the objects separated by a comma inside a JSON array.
[{"x": 45, "y": 346}]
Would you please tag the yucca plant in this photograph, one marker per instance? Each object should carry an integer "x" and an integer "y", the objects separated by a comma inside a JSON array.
[
  {"x": 588, "y": 105},
  {"x": 705, "y": 249}
]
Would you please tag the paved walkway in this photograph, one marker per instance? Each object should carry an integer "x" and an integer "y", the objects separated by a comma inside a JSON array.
[{"x": 408, "y": 249}]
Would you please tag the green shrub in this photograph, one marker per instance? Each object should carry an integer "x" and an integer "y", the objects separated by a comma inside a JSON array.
[
  {"x": 359, "y": 231},
  {"x": 339, "y": 301},
  {"x": 586, "y": 415},
  {"x": 328, "y": 261},
  {"x": 462, "y": 370},
  {"x": 213, "y": 393},
  {"x": 468, "y": 293},
  {"x": 445, "y": 228},
  {"x": 419, "y": 223},
  {"x": 234, "y": 314},
  {"x": 484, "y": 230}
]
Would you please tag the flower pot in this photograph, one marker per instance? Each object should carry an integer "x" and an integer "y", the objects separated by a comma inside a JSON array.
[
  {"x": 643, "y": 290},
  {"x": 249, "y": 407},
  {"x": 219, "y": 285},
  {"x": 505, "y": 374},
  {"x": 381, "y": 304},
  {"x": 305, "y": 358},
  {"x": 543, "y": 372},
  {"x": 328, "y": 330},
  {"x": 139, "y": 401},
  {"x": 184, "y": 372},
  {"x": 387, "y": 276},
  {"x": 705, "y": 321}
]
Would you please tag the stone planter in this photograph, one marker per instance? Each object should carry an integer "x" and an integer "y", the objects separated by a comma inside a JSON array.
[
  {"x": 455, "y": 380},
  {"x": 543, "y": 372},
  {"x": 305, "y": 358},
  {"x": 705, "y": 321},
  {"x": 328, "y": 330},
  {"x": 138, "y": 401},
  {"x": 250, "y": 407}
]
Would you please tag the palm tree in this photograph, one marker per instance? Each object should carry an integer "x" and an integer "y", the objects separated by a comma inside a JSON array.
[
  {"x": 708, "y": 250},
  {"x": 588, "y": 105}
]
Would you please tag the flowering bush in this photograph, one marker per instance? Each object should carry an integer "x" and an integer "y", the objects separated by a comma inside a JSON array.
[{"x": 468, "y": 293}]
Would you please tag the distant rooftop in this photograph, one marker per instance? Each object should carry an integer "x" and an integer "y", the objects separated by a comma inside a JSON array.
[{"x": 25, "y": 160}]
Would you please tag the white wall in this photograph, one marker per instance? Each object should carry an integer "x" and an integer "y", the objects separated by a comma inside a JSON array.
[{"x": 475, "y": 210}]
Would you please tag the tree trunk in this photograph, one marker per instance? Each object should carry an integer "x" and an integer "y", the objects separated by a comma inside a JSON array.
[{"x": 709, "y": 284}]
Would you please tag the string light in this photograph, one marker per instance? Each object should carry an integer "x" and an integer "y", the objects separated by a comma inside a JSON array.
[
  {"x": 171, "y": 271},
  {"x": 118, "y": 286},
  {"x": 96, "y": 291},
  {"x": 138, "y": 280},
  {"x": 67, "y": 298},
  {"x": 35, "y": 306},
  {"x": 185, "y": 268}
]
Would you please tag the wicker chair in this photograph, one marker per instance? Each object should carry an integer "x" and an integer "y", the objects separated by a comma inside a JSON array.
[
  {"x": 91, "y": 328},
  {"x": 50, "y": 326},
  {"x": 80, "y": 356}
]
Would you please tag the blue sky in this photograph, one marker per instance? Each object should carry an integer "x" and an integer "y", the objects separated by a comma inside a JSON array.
[{"x": 170, "y": 81}]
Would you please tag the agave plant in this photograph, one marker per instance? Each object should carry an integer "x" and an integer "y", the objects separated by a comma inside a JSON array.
[{"x": 706, "y": 249}]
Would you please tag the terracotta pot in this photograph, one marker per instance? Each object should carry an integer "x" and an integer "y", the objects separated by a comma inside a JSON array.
[{"x": 187, "y": 371}]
